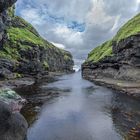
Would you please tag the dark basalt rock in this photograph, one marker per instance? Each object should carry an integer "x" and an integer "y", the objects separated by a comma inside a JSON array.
[
  {"x": 12, "y": 125},
  {"x": 123, "y": 65},
  {"x": 4, "y": 4}
]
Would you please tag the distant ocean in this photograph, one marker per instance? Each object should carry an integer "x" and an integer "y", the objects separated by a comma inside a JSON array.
[{"x": 76, "y": 68}]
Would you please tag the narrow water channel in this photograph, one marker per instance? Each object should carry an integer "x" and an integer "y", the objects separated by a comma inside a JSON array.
[{"x": 85, "y": 111}]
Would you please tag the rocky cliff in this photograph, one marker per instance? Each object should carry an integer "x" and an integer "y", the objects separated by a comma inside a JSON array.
[
  {"x": 23, "y": 51},
  {"x": 116, "y": 63}
]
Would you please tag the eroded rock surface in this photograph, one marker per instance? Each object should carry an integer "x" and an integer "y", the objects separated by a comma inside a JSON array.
[{"x": 119, "y": 62}]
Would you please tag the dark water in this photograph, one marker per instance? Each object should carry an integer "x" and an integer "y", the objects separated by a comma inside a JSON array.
[{"x": 84, "y": 111}]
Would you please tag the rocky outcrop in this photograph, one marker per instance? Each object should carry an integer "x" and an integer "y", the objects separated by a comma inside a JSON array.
[
  {"x": 5, "y": 4},
  {"x": 4, "y": 18},
  {"x": 24, "y": 52},
  {"x": 12, "y": 125},
  {"x": 123, "y": 65},
  {"x": 119, "y": 69}
]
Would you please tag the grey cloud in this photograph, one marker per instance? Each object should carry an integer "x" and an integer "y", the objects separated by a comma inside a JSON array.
[
  {"x": 78, "y": 10},
  {"x": 122, "y": 7}
]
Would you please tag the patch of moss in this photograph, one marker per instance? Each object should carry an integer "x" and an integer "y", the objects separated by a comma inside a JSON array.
[
  {"x": 132, "y": 27},
  {"x": 46, "y": 66},
  {"x": 5, "y": 55},
  {"x": 9, "y": 53},
  {"x": 23, "y": 35},
  {"x": 24, "y": 47},
  {"x": 11, "y": 11},
  {"x": 17, "y": 75},
  {"x": 66, "y": 57},
  {"x": 21, "y": 23},
  {"x": 100, "y": 52}
]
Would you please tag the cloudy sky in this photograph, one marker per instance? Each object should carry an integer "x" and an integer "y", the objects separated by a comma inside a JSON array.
[{"x": 77, "y": 25}]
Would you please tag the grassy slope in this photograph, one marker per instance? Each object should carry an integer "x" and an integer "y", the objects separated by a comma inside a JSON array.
[
  {"x": 100, "y": 52},
  {"x": 20, "y": 35},
  {"x": 132, "y": 27}
]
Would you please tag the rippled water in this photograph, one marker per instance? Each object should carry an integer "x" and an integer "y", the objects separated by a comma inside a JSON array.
[{"x": 84, "y": 111}]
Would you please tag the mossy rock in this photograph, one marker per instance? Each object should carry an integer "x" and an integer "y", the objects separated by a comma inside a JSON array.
[
  {"x": 7, "y": 95},
  {"x": 45, "y": 65},
  {"x": 11, "y": 11}
]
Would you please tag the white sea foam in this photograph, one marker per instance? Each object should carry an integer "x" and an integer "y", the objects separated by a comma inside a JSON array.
[{"x": 76, "y": 68}]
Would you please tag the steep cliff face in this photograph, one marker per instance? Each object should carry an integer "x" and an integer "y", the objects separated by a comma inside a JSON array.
[
  {"x": 24, "y": 51},
  {"x": 117, "y": 62},
  {"x": 4, "y": 18},
  {"x": 10, "y": 121}
]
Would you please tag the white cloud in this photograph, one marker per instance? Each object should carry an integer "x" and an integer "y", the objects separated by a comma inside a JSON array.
[
  {"x": 32, "y": 15},
  {"x": 138, "y": 1},
  {"x": 68, "y": 36},
  {"x": 98, "y": 16},
  {"x": 102, "y": 19},
  {"x": 61, "y": 46}
]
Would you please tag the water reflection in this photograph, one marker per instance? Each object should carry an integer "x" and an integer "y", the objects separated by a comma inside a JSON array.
[
  {"x": 83, "y": 111},
  {"x": 126, "y": 116}
]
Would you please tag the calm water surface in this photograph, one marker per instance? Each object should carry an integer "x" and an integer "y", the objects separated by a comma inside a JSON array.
[{"x": 84, "y": 111}]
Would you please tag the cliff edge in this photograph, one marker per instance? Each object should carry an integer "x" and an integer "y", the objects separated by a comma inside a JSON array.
[
  {"x": 116, "y": 63},
  {"x": 23, "y": 51}
]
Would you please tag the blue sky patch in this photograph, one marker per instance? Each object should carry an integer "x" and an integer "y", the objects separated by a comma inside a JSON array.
[{"x": 49, "y": 17}]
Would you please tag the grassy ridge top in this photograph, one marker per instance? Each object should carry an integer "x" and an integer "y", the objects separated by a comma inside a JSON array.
[
  {"x": 101, "y": 51},
  {"x": 132, "y": 27}
]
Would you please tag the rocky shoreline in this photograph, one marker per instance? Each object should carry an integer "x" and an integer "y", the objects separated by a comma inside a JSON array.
[
  {"x": 126, "y": 87},
  {"x": 29, "y": 80},
  {"x": 116, "y": 63}
]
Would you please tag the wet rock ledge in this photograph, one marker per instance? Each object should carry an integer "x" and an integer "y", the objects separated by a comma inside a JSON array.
[{"x": 116, "y": 63}]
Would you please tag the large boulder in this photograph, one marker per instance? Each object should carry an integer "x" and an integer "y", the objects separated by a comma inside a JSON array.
[
  {"x": 13, "y": 126},
  {"x": 12, "y": 99}
]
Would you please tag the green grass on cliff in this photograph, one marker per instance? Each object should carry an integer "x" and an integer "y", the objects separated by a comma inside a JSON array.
[
  {"x": 132, "y": 27},
  {"x": 21, "y": 23},
  {"x": 17, "y": 38},
  {"x": 11, "y": 11},
  {"x": 24, "y": 35},
  {"x": 66, "y": 57},
  {"x": 100, "y": 52}
]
